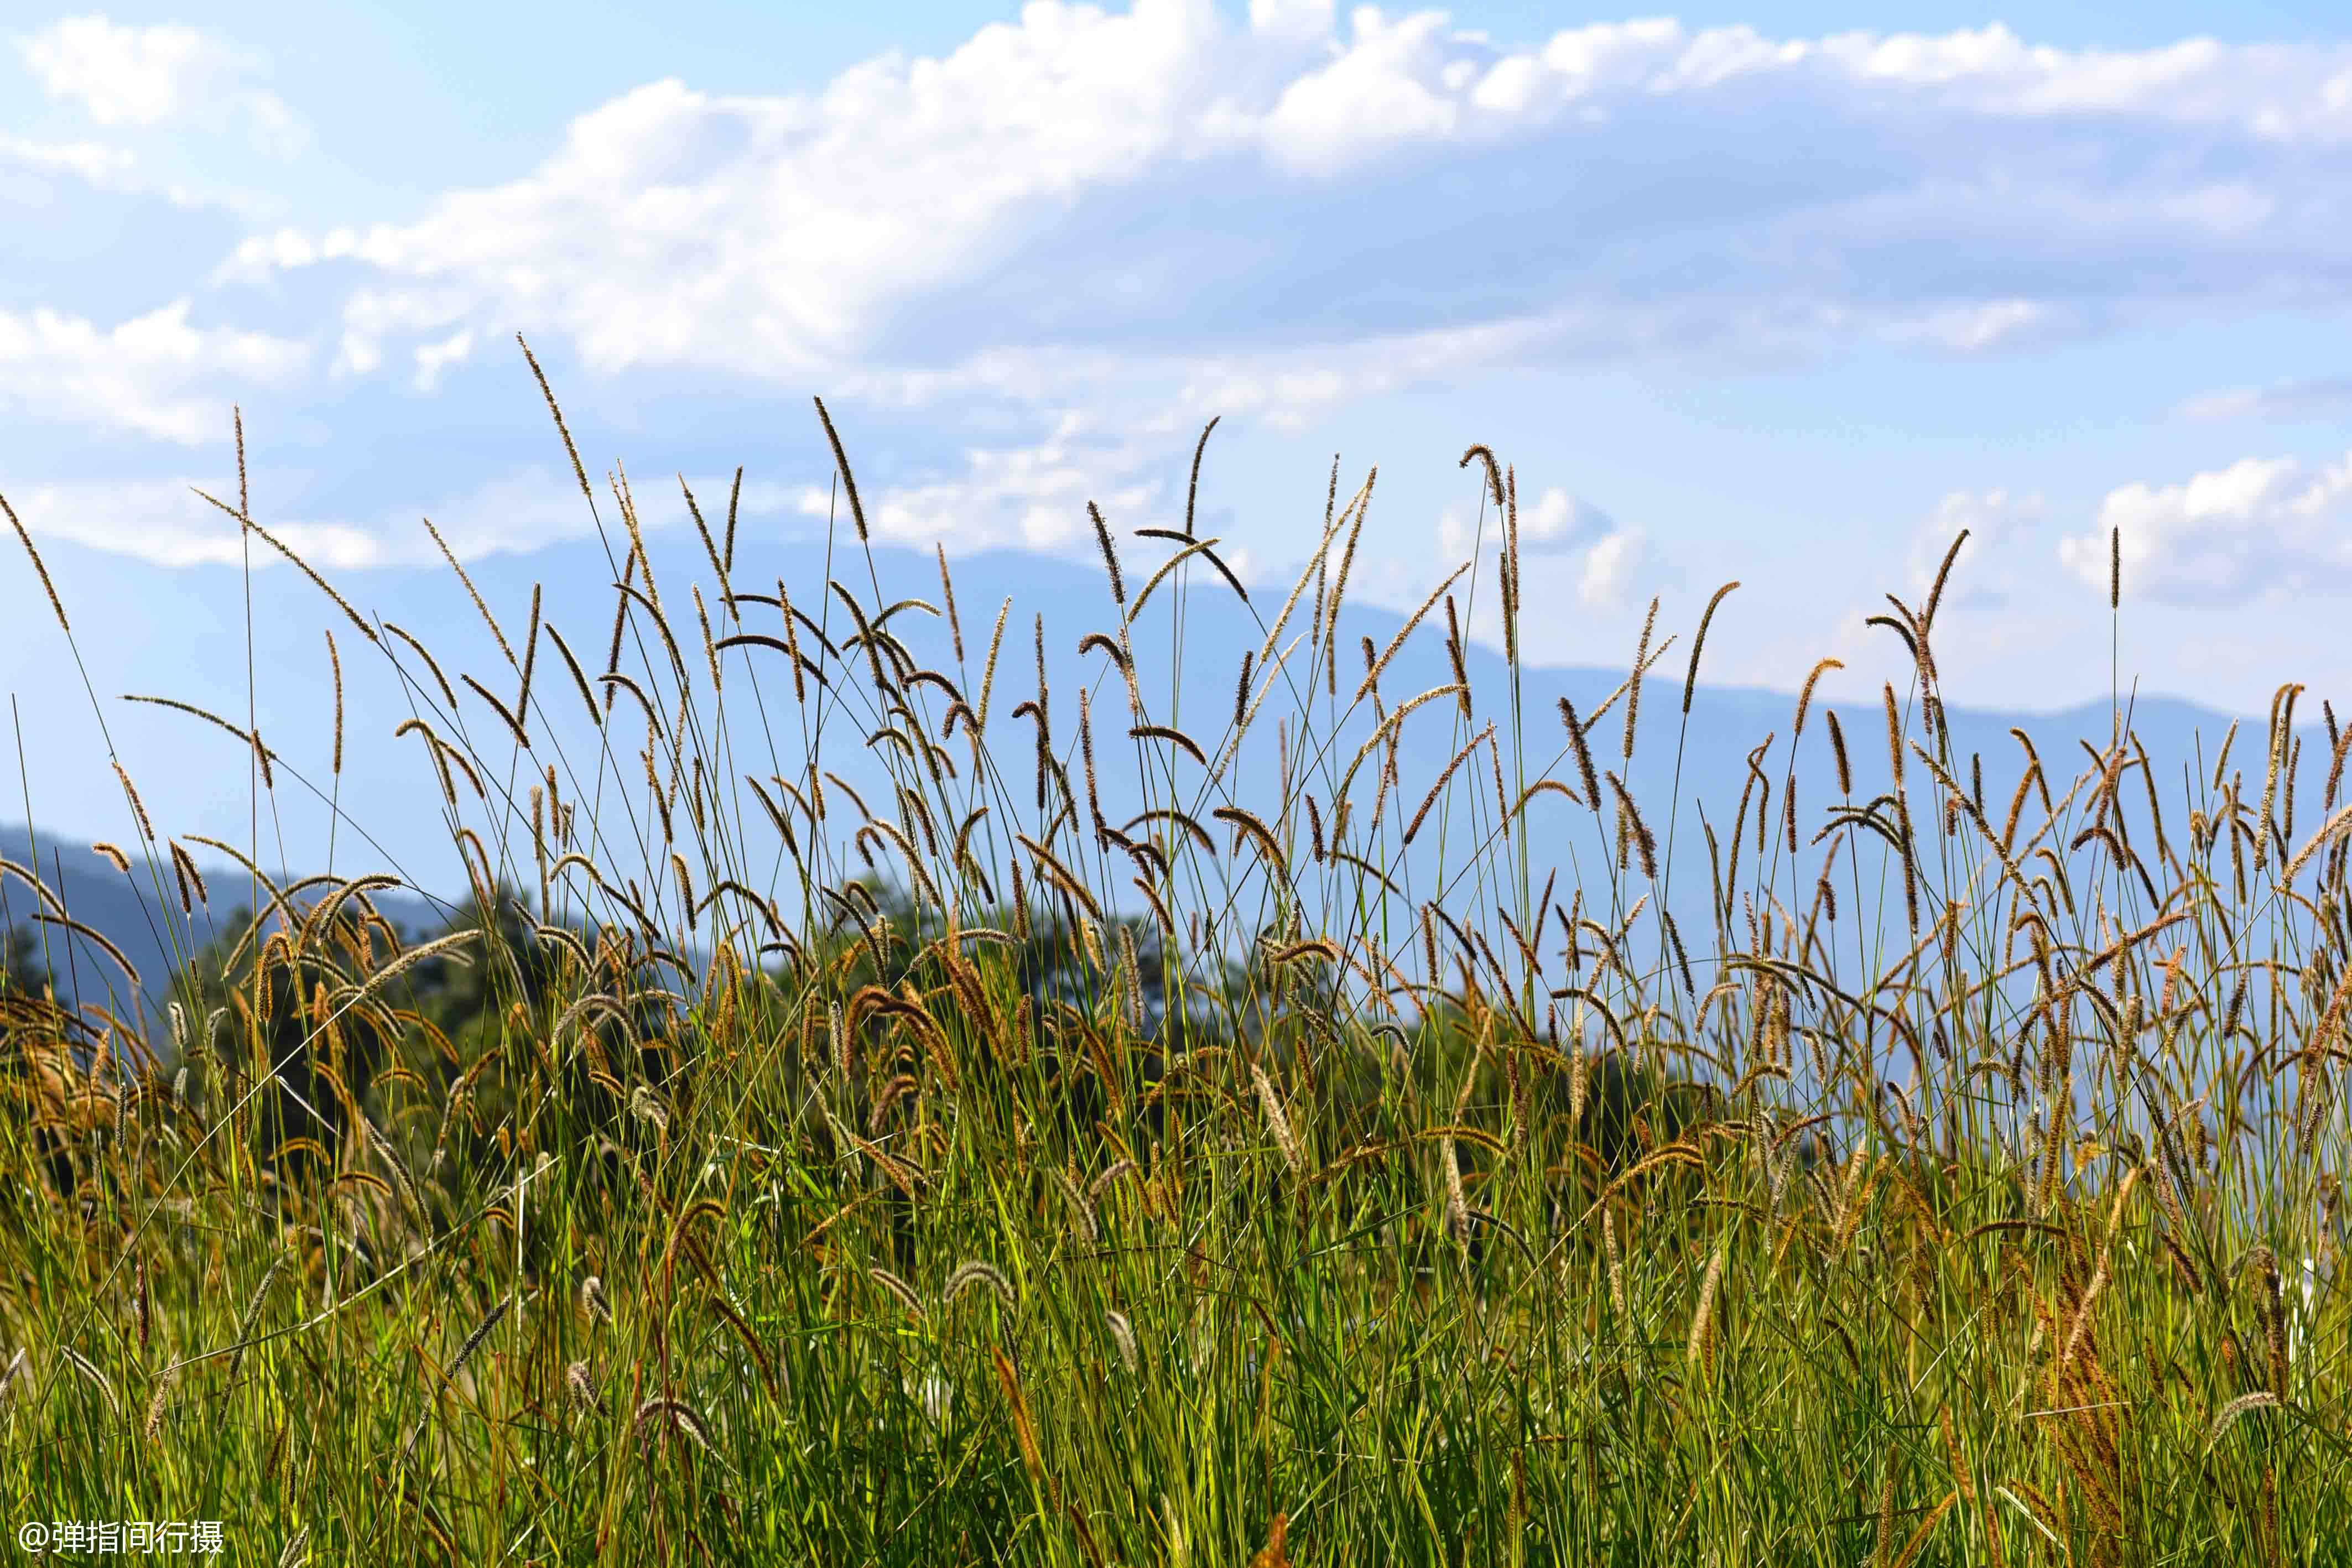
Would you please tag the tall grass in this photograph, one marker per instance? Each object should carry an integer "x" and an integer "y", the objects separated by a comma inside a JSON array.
[{"x": 761, "y": 1167}]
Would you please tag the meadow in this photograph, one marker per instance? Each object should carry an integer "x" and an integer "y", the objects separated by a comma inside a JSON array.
[{"x": 762, "y": 1166}]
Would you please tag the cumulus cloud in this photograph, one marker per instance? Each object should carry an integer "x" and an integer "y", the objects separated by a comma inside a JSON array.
[
  {"x": 1555, "y": 524},
  {"x": 1611, "y": 568},
  {"x": 1567, "y": 545},
  {"x": 1090, "y": 228},
  {"x": 155, "y": 374},
  {"x": 157, "y": 76},
  {"x": 1133, "y": 178},
  {"x": 2262, "y": 528}
]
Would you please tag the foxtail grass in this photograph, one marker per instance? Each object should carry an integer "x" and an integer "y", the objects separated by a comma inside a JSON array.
[{"x": 925, "y": 1165}]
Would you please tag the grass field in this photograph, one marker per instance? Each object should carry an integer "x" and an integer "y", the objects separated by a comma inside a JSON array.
[{"x": 762, "y": 1169}]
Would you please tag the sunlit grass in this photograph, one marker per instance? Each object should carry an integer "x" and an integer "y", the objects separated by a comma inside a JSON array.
[{"x": 765, "y": 1166}]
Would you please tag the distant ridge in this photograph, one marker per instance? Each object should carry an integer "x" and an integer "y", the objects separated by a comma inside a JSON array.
[
  {"x": 125, "y": 910},
  {"x": 2182, "y": 736}
]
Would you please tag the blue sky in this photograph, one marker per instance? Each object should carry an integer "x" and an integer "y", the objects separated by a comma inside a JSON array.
[{"x": 1742, "y": 294}]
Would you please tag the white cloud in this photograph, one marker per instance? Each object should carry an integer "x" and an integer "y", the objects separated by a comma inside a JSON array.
[
  {"x": 355, "y": 355},
  {"x": 1566, "y": 543},
  {"x": 148, "y": 77},
  {"x": 120, "y": 75},
  {"x": 1562, "y": 521},
  {"x": 103, "y": 166},
  {"x": 108, "y": 168},
  {"x": 1595, "y": 556},
  {"x": 164, "y": 521},
  {"x": 1034, "y": 496},
  {"x": 1557, "y": 523},
  {"x": 1094, "y": 228},
  {"x": 2294, "y": 400},
  {"x": 155, "y": 374},
  {"x": 1995, "y": 324},
  {"x": 1023, "y": 190},
  {"x": 2006, "y": 556},
  {"x": 1121, "y": 214},
  {"x": 432, "y": 359},
  {"x": 1610, "y": 568},
  {"x": 760, "y": 497},
  {"x": 2261, "y": 530}
]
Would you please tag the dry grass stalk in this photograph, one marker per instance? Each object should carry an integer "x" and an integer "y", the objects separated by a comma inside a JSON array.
[
  {"x": 1109, "y": 555},
  {"x": 153, "y": 1425},
  {"x": 1698, "y": 644},
  {"x": 97, "y": 1379},
  {"x": 1640, "y": 833},
  {"x": 448, "y": 694},
  {"x": 1278, "y": 1123},
  {"x": 974, "y": 1274},
  {"x": 709, "y": 649},
  {"x": 1193, "y": 490},
  {"x": 1699, "y": 1351},
  {"x": 1454, "y": 656},
  {"x": 848, "y": 479},
  {"x": 474, "y": 1341},
  {"x": 1372, "y": 676},
  {"x": 474, "y": 594},
  {"x": 1457, "y": 1206},
  {"x": 1122, "y": 1333},
  {"x": 582, "y": 1387},
  {"x": 579, "y": 676},
  {"x": 674, "y": 1415},
  {"x": 1339, "y": 596},
  {"x": 1509, "y": 563},
  {"x": 262, "y": 753},
  {"x": 506, "y": 715},
  {"x": 529, "y": 658},
  {"x": 323, "y": 586},
  {"x": 898, "y": 1289},
  {"x": 1917, "y": 1541},
  {"x": 253, "y": 1313},
  {"x": 1640, "y": 664},
  {"x": 1024, "y": 1430},
  {"x": 40, "y": 568},
  {"x": 570, "y": 450},
  {"x": 138, "y": 807},
  {"x": 1445, "y": 774},
  {"x": 2244, "y": 1404},
  {"x": 1165, "y": 570},
  {"x": 191, "y": 880},
  {"x": 96, "y": 938}
]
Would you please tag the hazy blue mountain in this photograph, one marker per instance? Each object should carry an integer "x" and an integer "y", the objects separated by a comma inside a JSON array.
[
  {"x": 150, "y": 930},
  {"x": 196, "y": 779}
]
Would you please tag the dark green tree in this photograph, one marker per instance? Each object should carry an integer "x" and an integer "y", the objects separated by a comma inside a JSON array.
[{"x": 21, "y": 966}]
